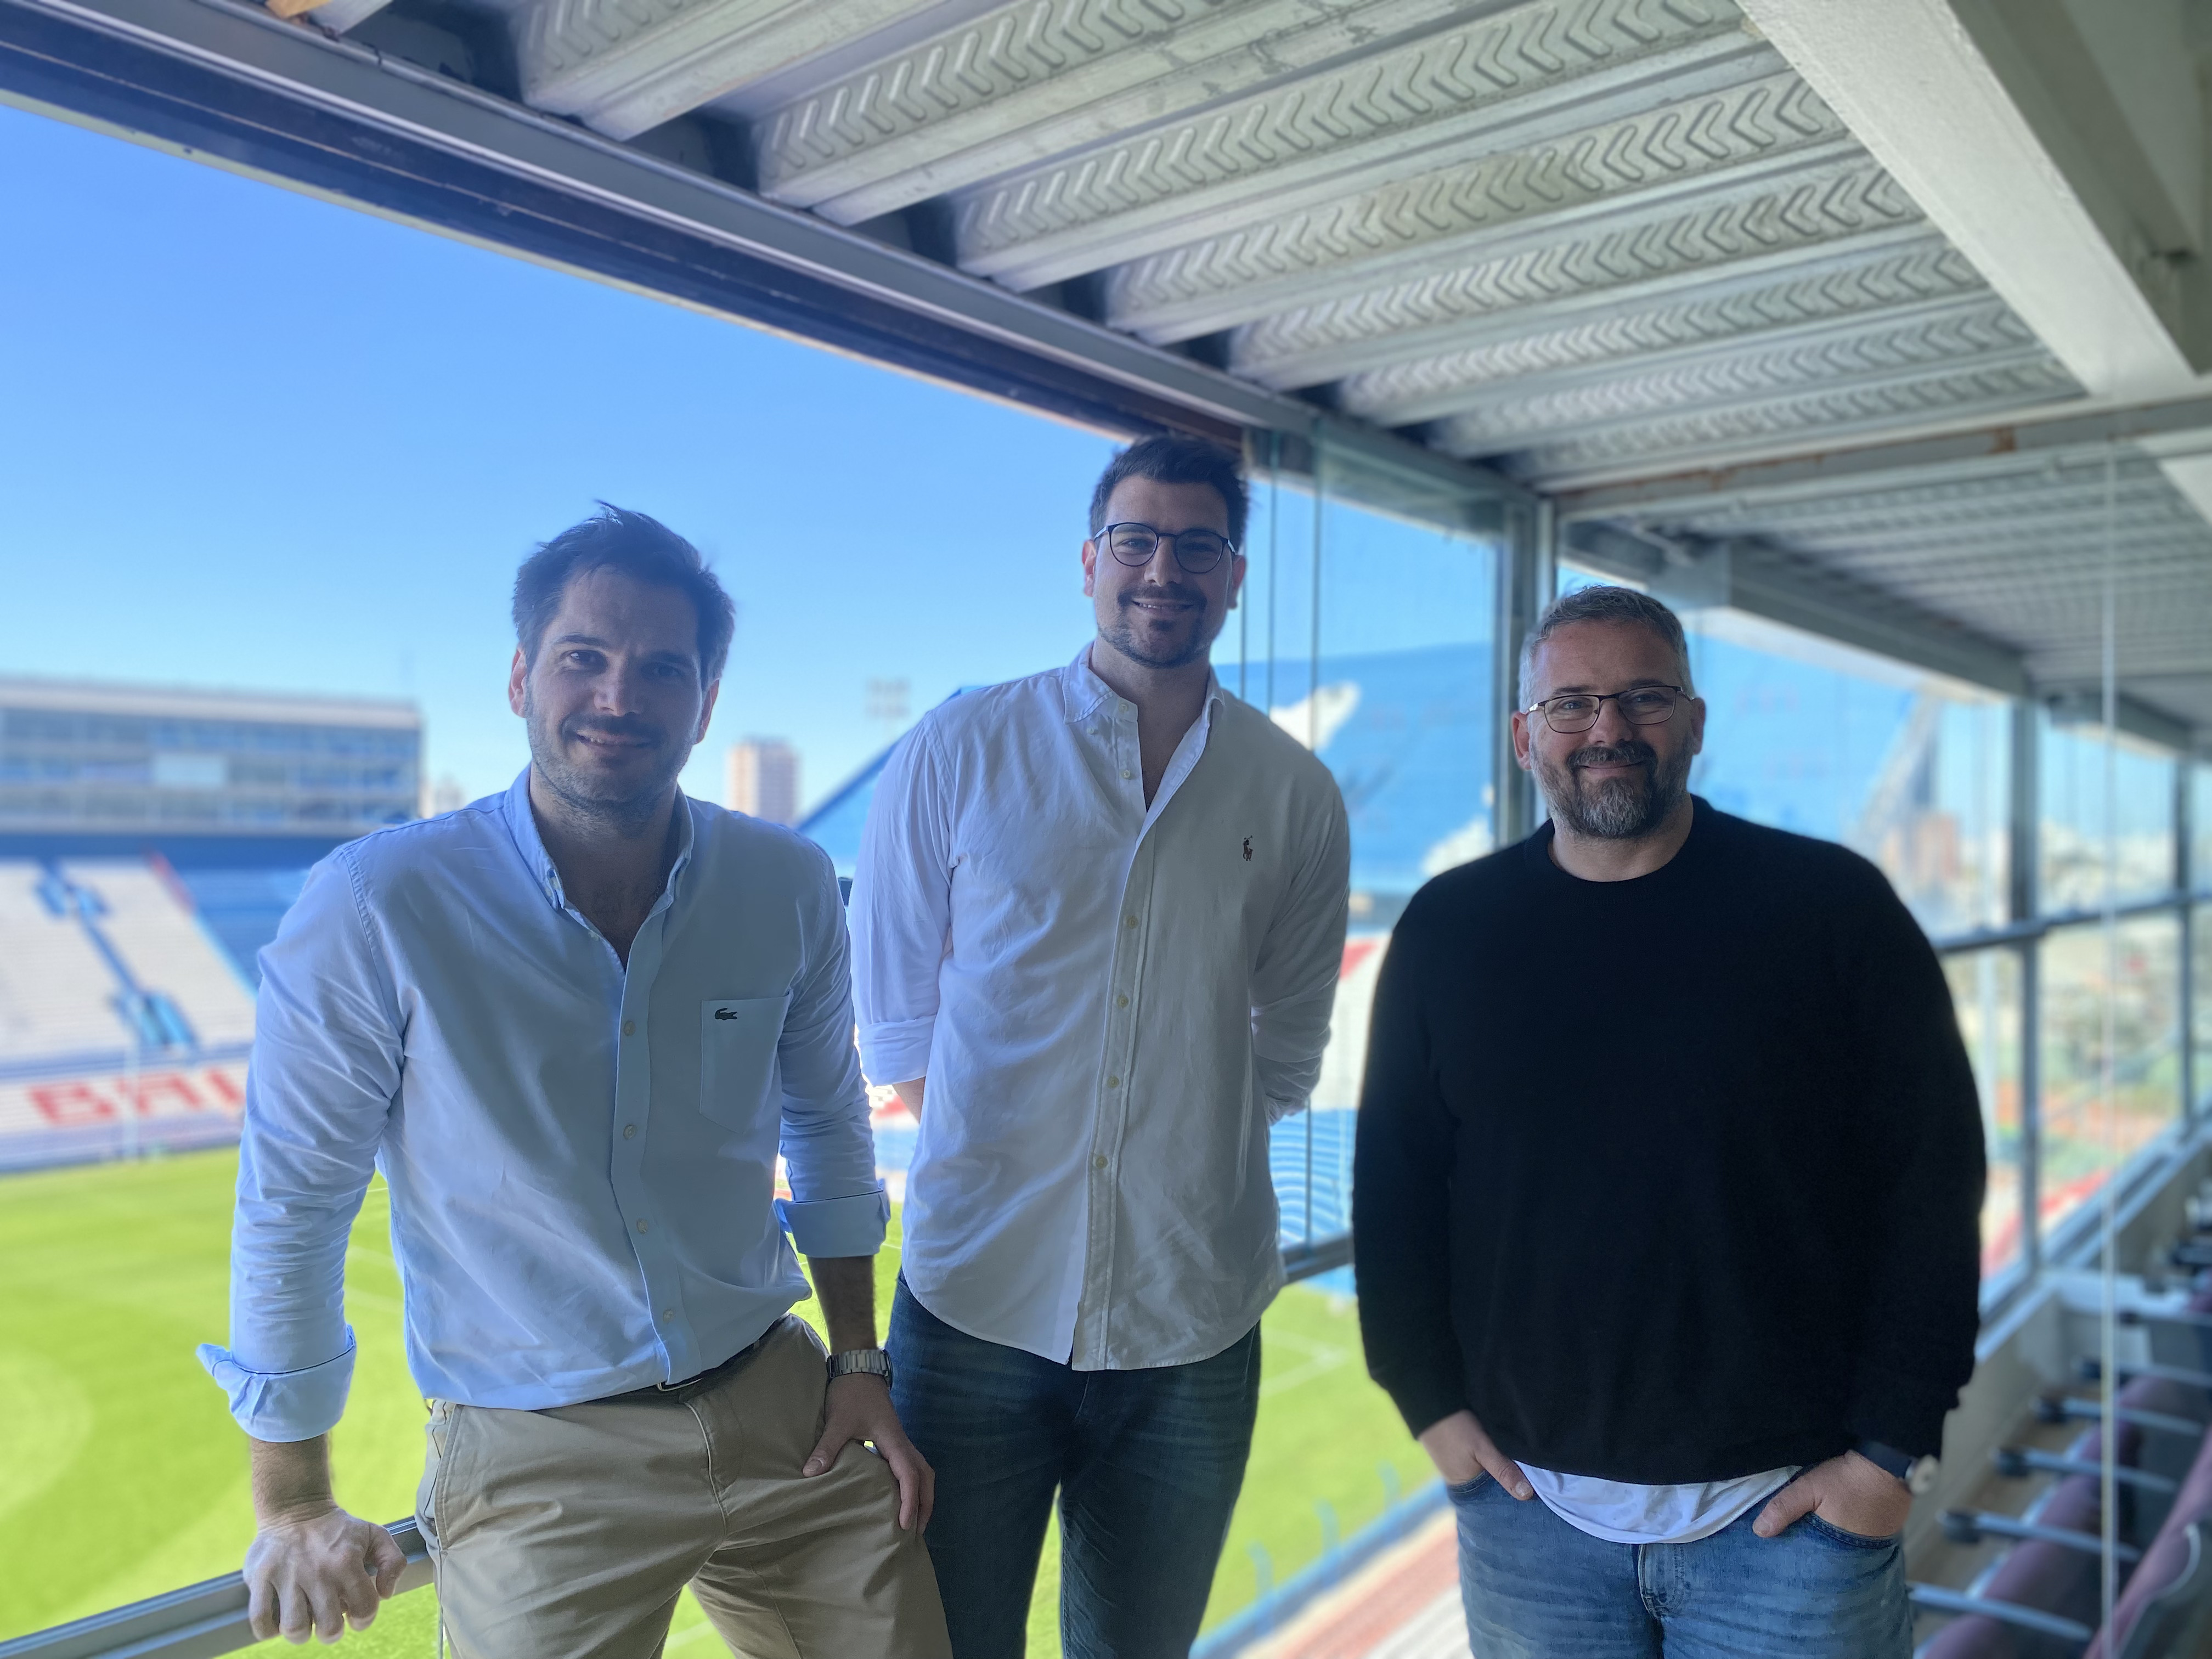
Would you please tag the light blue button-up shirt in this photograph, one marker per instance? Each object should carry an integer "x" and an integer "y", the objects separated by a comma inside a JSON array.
[{"x": 581, "y": 1157}]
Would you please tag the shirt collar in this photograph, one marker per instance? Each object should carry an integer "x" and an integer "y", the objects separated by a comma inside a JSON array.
[
  {"x": 1082, "y": 690},
  {"x": 522, "y": 824}
]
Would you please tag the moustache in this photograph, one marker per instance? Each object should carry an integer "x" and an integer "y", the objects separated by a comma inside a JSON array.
[
  {"x": 622, "y": 731},
  {"x": 1614, "y": 754},
  {"x": 1173, "y": 594}
]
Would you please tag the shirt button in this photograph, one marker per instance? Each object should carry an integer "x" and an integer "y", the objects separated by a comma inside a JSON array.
[
  {"x": 1099, "y": 1162},
  {"x": 1126, "y": 773},
  {"x": 628, "y": 1026},
  {"x": 668, "y": 1313},
  {"x": 1129, "y": 922},
  {"x": 630, "y": 1132},
  {"x": 1113, "y": 1082},
  {"x": 641, "y": 1226},
  {"x": 1120, "y": 1002}
]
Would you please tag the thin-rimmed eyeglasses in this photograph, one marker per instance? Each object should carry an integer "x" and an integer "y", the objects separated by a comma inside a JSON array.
[
  {"x": 1573, "y": 712},
  {"x": 1196, "y": 550}
]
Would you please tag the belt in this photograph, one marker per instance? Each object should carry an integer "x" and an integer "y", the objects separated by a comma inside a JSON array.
[{"x": 698, "y": 1379}]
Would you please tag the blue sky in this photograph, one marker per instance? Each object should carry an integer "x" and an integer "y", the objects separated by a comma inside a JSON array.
[{"x": 253, "y": 439}]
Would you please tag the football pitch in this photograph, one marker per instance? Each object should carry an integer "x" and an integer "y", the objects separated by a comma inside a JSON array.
[{"x": 122, "y": 1476}]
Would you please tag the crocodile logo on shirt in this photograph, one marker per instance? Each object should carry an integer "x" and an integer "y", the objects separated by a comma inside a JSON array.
[
  {"x": 1248, "y": 849},
  {"x": 725, "y": 1014}
]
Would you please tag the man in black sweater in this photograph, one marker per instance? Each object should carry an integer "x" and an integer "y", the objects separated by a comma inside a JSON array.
[{"x": 1666, "y": 1195}]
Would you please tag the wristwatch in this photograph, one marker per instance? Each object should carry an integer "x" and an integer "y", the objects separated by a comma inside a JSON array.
[
  {"x": 1918, "y": 1473},
  {"x": 874, "y": 1362}
]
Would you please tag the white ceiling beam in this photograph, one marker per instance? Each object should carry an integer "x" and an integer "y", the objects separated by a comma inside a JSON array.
[
  {"x": 622, "y": 67},
  {"x": 1033, "y": 79},
  {"x": 1479, "y": 203},
  {"x": 1846, "y": 210},
  {"x": 1477, "y": 379},
  {"x": 1757, "y": 426},
  {"x": 1608, "y": 338},
  {"x": 1856, "y": 355},
  {"x": 1519, "y": 77},
  {"x": 1917, "y": 90}
]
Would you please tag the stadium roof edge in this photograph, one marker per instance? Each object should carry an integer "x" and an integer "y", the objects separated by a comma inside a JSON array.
[{"x": 283, "y": 707}]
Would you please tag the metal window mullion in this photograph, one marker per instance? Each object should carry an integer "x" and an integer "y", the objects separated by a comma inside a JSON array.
[
  {"x": 2025, "y": 853},
  {"x": 1523, "y": 577}
]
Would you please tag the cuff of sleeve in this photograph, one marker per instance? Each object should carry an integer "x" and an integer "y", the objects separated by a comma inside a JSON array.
[
  {"x": 1424, "y": 1401},
  {"x": 897, "y": 1050},
  {"x": 284, "y": 1405},
  {"x": 1906, "y": 1412},
  {"x": 1279, "y": 1109},
  {"x": 837, "y": 1226}
]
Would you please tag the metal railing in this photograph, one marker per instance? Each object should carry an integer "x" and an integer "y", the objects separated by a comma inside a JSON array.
[
  {"x": 195, "y": 1622},
  {"x": 203, "y": 1620}
]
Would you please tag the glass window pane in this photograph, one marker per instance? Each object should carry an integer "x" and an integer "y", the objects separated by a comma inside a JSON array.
[
  {"x": 2081, "y": 1140},
  {"x": 1908, "y": 768},
  {"x": 1985, "y": 989},
  {"x": 2072, "y": 787},
  {"x": 1399, "y": 705}
]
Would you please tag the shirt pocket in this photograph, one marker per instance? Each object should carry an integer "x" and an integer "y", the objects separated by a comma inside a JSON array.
[{"x": 739, "y": 1083}]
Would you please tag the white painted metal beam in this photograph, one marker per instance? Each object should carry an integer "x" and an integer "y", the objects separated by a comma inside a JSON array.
[
  {"x": 1484, "y": 203},
  {"x": 1756, "y": 426},
  {"x": 1519, "y": 76},
  {"x": 624, "y": 66},
  {"x": 1847, "y": 209},
  {"x": 1854, "y": 357},
  {"x": 2058, "y": 433},
  {"x": 1913, "y": 85}
]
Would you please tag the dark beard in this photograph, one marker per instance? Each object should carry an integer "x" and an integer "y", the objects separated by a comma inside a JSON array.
[
  {"x": 1125, "y": 637},
  {"x": 585, "y": 795},
  {"x": 1617, "y": 809}
]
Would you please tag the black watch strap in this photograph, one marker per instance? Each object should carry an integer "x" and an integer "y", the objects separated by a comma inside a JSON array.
[{"x": 1888, "y": 1457}]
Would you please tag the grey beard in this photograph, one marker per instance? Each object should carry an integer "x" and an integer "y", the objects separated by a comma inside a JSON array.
[{"x": 1618, "y": 809}]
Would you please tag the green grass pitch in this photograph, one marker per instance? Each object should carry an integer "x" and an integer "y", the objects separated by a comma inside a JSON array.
[{"x": 121, "y": 1474}]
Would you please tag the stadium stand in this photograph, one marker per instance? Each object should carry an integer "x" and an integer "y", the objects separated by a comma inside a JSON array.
[{"x": 123, "y": 1024}]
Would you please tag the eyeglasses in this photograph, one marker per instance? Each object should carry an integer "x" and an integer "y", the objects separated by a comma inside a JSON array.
[
  {"x": 1577, "y": 711},
  {"x": 1196, "y": 550}
]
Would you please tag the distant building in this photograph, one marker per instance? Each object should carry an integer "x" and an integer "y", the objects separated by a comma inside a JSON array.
[
  {"x": 82, "y": 757},
  {"x": 763, "y": 778}
]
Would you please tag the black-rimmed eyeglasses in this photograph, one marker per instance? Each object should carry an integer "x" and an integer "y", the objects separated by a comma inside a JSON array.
[
  {"x": 1196, "y": 550},
  {"x": 1577, "y": 711}
]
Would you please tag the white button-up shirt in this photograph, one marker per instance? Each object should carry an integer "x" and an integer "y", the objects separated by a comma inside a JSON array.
[
  {"x": 582, "y": 1155},
  {"x": 1111, "y": 1003}
]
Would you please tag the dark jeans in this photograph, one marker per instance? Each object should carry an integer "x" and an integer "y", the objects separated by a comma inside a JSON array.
[{"x": 1147, "y": 1464}]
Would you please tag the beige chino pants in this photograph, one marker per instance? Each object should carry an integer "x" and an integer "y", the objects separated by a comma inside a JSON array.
[{"x": 569, "y": 1534}]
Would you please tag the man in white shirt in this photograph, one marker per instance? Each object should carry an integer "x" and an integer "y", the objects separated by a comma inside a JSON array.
[
  {"x": 1100, "y": 912},
  {"x": 574, "y": 1025}
]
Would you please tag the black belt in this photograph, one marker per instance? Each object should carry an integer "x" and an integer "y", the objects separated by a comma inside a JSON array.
[{"x": 698, "y": 1379}]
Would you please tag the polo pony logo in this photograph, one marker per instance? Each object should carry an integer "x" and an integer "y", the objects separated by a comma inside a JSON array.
[{"x": 1248, "y": 849}]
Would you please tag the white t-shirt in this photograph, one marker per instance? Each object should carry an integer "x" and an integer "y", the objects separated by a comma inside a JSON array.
[{"x": 1622, "y": 1513}]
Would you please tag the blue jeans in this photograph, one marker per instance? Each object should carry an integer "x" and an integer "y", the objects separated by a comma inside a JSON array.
[
  {"x": 1147, "y": 1464},
  {"x": 1535, "y": 1588}
]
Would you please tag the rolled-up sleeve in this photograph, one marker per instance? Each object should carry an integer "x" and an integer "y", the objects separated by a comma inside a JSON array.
[
  {"x": 901, "y": 910},
  {"x": 837, "y": 1205},
  {"x": 327, "y": 1049},
  {"x": 1294, "y": 981}
]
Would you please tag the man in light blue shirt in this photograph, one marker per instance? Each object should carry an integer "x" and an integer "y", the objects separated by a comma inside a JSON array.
[{"x": 572, "y": 1025}]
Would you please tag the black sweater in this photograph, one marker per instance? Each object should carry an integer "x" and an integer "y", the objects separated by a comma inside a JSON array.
[{"x": 1674, "y": 1179}]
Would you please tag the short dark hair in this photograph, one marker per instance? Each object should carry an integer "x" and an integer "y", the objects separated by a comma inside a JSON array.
[
  {"x": 1175, "y": 459},
  {"x": 1623, "y": 607},
  {"x": 640, "y": 547}
]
